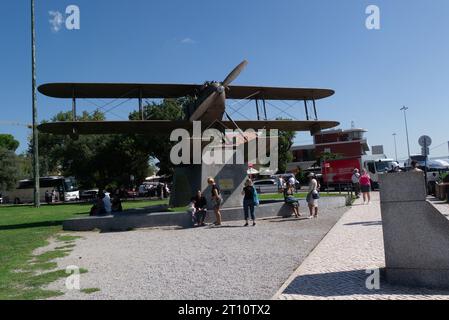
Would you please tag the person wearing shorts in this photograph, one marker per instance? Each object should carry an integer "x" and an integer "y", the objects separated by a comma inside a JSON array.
[
  {"x": 365, "y": 185},
  {"x": 217, "y": 200},
  {"x": 312, "y": 196},
  {"x": 289, "y": 198}
]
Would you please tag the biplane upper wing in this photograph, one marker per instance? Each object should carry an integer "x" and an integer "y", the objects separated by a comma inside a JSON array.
[
  {"x": 166, "y": 126},
  {"x": 277, "y": 93},
  {"x": 117, "y": 90},
  {"x": 160, "y": 91}
]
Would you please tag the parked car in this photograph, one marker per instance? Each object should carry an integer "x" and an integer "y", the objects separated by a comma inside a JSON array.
[
  {"x": 131, "y": 193},
  {"x": 89, "y": 194},
  {"x": 143, "y": 191},
  {"x": 266, "y": 186}
]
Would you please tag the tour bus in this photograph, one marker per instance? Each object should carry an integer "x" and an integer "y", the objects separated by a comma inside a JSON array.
[{"x": 66, "y": 190}]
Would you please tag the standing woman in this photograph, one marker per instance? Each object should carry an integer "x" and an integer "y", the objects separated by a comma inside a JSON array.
[
  {"x": 313, "y": 196},
  {"x": 249, "y": 201},
  {"x": 365, "y": 185},
  {"x": 216, "y": 200}
]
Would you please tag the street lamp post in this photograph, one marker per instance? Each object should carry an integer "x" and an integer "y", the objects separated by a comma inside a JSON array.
[
  {"x": 395, "y": 147},
  {"x": 34, "y": 106},
  {"x": 404, "y": 108}
]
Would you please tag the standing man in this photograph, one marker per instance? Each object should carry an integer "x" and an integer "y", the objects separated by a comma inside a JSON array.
[
  {"x": 281, "y": 183},
  {"x": 53, "y": 196},
  {"x": 47, "y": 197},
  {"x": 356, "y": 182}
]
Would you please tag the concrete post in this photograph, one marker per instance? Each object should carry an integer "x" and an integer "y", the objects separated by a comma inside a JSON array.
[{"x": 416, "y": 234}]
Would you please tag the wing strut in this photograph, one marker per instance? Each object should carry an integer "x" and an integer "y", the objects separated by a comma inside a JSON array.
[
  {"x": 307, "y": 110},
  {"x": 73, "y": 105},
  {"x": 257, "y": 108},
  {"x": 235, "y": 124},
  {"x": 265, "y": 109}
]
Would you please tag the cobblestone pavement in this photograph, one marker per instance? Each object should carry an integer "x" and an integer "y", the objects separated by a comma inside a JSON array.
[{"x": 337, "y": 268}]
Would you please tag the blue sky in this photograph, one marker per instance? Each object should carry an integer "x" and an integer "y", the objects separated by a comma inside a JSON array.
[{"x": 320, "y": 43}]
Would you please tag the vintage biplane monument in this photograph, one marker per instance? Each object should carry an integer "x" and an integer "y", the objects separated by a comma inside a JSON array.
[{"x": 208, "y": 106}]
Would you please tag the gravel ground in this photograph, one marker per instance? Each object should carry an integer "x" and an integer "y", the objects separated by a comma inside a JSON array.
[{"x": 229, "y": 262}]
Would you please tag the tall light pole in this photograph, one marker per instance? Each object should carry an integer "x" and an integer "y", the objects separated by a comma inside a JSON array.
[
  {"x": 34, "y": 106},
  {"x": 404, "y": 108},
  {"x": 395, "y": 147}
]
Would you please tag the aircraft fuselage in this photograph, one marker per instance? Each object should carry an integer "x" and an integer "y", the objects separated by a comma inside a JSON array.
[{"x": 210, "y": 104}]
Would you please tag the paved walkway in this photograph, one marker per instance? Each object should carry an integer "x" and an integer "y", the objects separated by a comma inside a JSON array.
[{"x": 336, "y": 269}]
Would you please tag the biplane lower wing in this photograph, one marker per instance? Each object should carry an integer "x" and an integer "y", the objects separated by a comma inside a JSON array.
[
  {"x": 166, "y": 126},
  {"x": 283, "y": 125}
]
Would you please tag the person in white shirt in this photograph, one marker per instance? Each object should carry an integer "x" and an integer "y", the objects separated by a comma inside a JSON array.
[
  {"x": 292, "y": 181},
  {"x": 107, "y": 203},
  {"x": 313, "y": 196},
  {"x": 356, "y": 182},
  {"x": 281, "y": 185}
]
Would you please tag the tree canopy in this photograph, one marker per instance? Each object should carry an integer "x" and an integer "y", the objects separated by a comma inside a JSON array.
[
  {"x": 8, "y": 142},
  {"x": 8, "y": 169},
  {"x": 158, "y": 146}
]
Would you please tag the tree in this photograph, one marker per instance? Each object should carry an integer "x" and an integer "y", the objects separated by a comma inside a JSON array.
[
  {"x": 285, "y": 144},
  {"x": 8, "y": 169},
  {"x": 24, "y": 164},
  {"x": 159, "y": 146},
  {"x": 8, "y": 142}
]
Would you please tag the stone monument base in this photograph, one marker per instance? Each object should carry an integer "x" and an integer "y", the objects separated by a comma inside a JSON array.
[
  {"x": 189, "y": 179},
  {"x": 416, "y": 234}
]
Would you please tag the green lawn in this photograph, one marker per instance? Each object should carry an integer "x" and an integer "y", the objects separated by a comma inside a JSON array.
[{"x": 24, "y": 229}]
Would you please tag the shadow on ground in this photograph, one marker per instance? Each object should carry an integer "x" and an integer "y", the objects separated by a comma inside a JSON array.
[
  {"x": 365, "y": 223},
  {"x": 348, "y": 283},
  {"x": 31, "y": 225}
]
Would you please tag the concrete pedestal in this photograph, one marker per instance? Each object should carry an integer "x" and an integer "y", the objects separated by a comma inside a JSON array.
[
  {"x": 189, "y": 179},
  {"x": 416, "y": 234}
]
